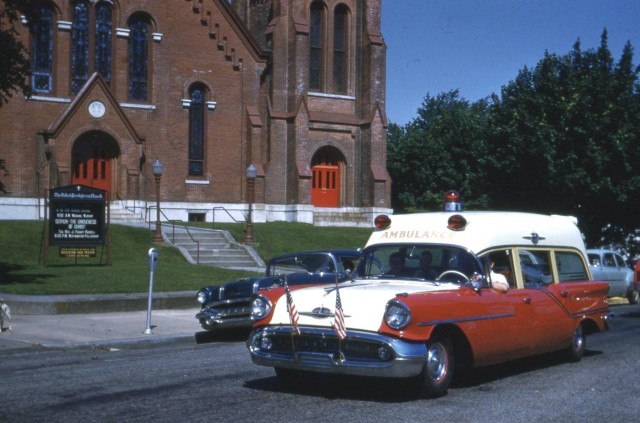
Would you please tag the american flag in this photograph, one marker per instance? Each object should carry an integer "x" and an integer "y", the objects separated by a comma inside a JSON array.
[
  {"x": 291, "y": 307},
  {"x": 338, "y": 325}
]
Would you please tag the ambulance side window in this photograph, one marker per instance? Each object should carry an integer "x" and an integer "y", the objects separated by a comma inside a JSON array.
[
  {"x": 535, "y": 267},
  {"x": 502, "y": 265},
  {"x": 570, "y": 266}
]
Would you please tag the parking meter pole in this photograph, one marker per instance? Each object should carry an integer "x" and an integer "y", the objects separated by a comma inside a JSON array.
[{"x": 153, "y": 261}]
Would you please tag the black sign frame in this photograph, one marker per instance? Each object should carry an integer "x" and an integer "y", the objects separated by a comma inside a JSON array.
[{"x": 77, "y": 216}]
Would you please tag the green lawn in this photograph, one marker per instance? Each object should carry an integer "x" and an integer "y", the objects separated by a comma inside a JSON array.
[{"x": 22, "y": 269}]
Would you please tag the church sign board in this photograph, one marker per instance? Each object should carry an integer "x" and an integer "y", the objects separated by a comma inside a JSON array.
[{"x": 76, "y": 216}]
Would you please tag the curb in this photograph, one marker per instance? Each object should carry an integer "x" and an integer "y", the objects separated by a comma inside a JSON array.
[
  {"x": 99, "y": 303},
  {"x": 150, "y": 340}
]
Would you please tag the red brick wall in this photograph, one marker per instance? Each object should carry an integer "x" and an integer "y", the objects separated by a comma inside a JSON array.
[{"x": 208, "y": 43}]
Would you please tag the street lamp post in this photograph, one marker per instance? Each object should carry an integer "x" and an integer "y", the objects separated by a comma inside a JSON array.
[
  {"x": 157, "y": 169},
  {"x": 251, "y": 177}
]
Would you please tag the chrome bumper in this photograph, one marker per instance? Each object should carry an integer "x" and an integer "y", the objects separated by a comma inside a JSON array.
[
  {"x": 210, "y": 320},
  {"x": 406, "y": 359}
]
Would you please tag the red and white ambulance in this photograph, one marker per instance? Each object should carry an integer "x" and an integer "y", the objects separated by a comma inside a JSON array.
[{"x": 436, "y": 293}]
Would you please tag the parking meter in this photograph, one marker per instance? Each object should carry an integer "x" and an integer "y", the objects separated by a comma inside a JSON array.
[
  {"x": 153, "y": 259},
  {"x": 153, "y": 262}
]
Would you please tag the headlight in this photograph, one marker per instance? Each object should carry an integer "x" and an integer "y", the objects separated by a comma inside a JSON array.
[
  {"x": 202, "y": 296},
  {"x": 397, "y": 315},
  {"x": 260, "y": 307}
]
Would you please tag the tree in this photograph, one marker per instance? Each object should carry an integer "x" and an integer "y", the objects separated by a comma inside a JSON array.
[
  {"x": 443, "y": 148},
  {"x": 15, "y": 66},
  {"x": 568, "y": 134},
  {"x": 3, "y": 169},
  {"x": 562, "y": 137}
]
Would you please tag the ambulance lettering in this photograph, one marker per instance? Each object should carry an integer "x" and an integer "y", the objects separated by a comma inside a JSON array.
[{"x": 417, "y": 234}]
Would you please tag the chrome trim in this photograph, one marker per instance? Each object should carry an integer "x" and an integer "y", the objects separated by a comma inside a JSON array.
[
  {"x": 210, "y": 320},
  {"x": 408, "y": 357},
  {"x": 466, "y": 319}
]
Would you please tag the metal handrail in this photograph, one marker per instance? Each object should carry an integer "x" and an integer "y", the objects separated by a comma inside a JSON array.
[
  {"x": 173, "y": 229},
  {"x": 213, "y": 215}
]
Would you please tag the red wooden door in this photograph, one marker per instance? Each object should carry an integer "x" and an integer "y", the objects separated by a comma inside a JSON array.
[
  {"x": 93, "y": 172},
  {"x": 325, "y": 188}
]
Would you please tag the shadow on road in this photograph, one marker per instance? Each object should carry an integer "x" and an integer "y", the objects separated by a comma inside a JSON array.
[
  {"x": 208, "y": 336},
  {"x": 401, "y": 390}
]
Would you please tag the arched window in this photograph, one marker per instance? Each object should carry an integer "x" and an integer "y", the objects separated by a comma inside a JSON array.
[
  {"x": 340, "y": 67},
  {"x": 197, "y": 94},
  {"x": 316, "y": 46},
  {"x": 91, "y": 28},
  {"x": 139, "y": 30},
  {"x": 42, "y": 51}
]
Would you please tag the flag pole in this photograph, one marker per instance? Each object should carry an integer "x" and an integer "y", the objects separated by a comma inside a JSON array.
[
  {"x": 292, "y": 312},
  {"x": 338, "y": 312}
]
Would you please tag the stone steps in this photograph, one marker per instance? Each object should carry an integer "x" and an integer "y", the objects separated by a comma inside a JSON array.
[{"x": 216, "y": 248}]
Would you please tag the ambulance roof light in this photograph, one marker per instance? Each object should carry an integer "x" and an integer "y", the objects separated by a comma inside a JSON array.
[{"x": 452, "y": 201}]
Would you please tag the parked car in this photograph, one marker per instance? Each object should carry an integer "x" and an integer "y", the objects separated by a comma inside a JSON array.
[
  {"x": 387, "y": 322},
  {"x": 607, "y": 265},
  {"x": 227, "y": 305},
  {"x": 636, "y": 277}
]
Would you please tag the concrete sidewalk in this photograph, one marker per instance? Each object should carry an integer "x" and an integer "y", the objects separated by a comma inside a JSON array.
[{"x": 99, "y": 330}]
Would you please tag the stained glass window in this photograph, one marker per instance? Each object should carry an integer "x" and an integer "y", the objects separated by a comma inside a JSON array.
[
  {"x": 339, "y": 49},
  {"x": 42, "y": 52},
  {"x": 196, "y": 131},
  {"x": 138, "y": 57},
  {"x": 315, "y": 46},
  {"x": 79, "y": 46},
  {"x": 102, "y": 50},
  {"x": 92, "y": 28}
]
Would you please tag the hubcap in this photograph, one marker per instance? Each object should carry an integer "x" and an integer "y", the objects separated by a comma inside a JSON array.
[
  {"x": 577, "y": 339},
  {"x": 437, "y": 362}
]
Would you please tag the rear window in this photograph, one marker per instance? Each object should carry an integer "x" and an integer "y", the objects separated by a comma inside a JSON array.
[{"x": 570, "y": 267}]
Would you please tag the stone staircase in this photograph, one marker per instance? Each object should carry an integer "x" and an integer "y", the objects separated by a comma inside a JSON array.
[
  {"x": 121, "y": 216},
  {"x": 216, "y": 248},
  {"x": 199, "y": 246}
]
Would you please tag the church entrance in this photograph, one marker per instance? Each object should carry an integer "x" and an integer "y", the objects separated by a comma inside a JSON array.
[
  {"x": 326, "y": 177},
  {"x": 93, "y": 159}
]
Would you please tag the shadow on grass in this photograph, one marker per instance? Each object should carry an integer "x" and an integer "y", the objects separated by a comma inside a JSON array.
[{"x": 9, "y": 275}]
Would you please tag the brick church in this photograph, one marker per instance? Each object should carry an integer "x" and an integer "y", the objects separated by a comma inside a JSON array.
[{"x": 295, "y": 88}]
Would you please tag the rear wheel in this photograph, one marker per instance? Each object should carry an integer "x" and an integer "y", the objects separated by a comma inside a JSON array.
[
  {"x": 578, "y": 345},
  {"x": 633, "y": 297},
  {"x": 438, "y": 369}
]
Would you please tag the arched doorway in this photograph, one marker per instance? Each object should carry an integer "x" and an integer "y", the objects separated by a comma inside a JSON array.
[
  {"x": 92, "y": 158},
  {"x": 327, "y": 173}
]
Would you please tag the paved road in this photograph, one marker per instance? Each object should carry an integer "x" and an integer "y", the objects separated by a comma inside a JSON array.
[{"x": 216, "y": 381}]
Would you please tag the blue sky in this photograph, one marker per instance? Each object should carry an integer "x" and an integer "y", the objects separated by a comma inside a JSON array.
[{"x": 477, "y": 46}]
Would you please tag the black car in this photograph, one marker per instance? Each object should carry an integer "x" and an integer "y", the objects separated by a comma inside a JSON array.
[{"x": 227, "y": 306}]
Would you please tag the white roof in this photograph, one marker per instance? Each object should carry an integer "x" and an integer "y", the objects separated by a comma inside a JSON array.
[{"x": 484, "y": 230}]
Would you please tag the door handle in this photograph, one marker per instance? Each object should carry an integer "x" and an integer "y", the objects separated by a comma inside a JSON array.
[
  {"x": 564, "y": 294},
  {"x": 526, "y": 300}
]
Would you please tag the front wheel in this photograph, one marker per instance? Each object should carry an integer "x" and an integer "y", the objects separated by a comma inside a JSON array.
[
  {"x": 633, "y": 297},
  {"x": 438, "y": 369},
  {"x": 578, "y": 345}
]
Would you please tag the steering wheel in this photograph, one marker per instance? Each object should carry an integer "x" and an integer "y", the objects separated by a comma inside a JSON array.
[{"x": 453, "y": 272}]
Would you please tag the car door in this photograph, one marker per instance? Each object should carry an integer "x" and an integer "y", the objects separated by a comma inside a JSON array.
[{"x": 615, "y": 276}]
